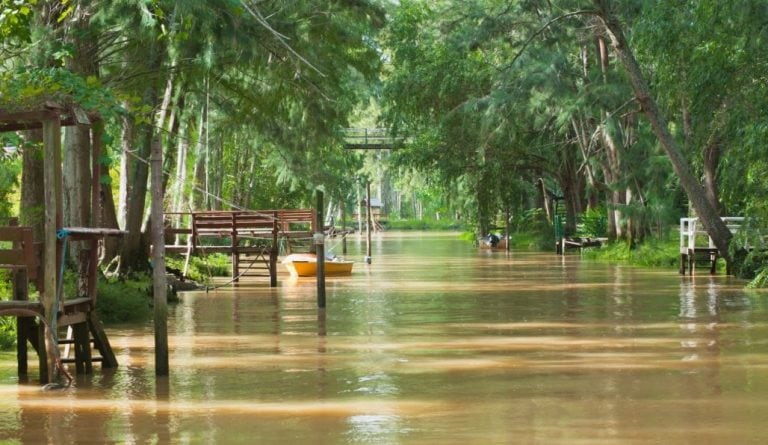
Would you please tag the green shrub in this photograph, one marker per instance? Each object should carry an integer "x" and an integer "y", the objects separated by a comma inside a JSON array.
[
  {"x": 531, "y": 220},
  {"x": 7, "y": 325},
  {"x": 592, "y": 224},
  {"x": 651, "y": 253},
  {"x": 468, "y": 236},
  {"x": 202, "y": 268},
  {"x": 423, "y": 224},
  {"x": 7, "y": 333},
  {"x": 125, "y": 301},
  {"x": 531, "y": 240}
]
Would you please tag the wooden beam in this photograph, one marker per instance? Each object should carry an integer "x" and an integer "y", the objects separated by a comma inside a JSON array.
[
  {"x": 159, "y": 284},
  {"x": 52, "y": 201},
  {"x": 319, "y": 240},
  {"x": 368, "y": 222}
]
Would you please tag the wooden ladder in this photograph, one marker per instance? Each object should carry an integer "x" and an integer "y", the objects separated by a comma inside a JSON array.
[{"x": 81, "y": 339}]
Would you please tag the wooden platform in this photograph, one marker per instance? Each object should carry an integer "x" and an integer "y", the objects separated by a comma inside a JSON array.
[
  {"x": 250, "y": 237},
  {"x": 697, "y": 247},
  {"x": 580, "y": 243},
  {"x": 77, "y": 315}
]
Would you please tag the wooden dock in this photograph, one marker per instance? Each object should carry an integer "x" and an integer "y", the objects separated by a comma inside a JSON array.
[
  {"x": 697, "y": 247},
  {"x": 77, "y": 315},
  {"x": 250, "y": 237}
]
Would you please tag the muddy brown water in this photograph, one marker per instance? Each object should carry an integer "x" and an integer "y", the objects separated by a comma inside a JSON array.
[{"x": 437, "y": 343}]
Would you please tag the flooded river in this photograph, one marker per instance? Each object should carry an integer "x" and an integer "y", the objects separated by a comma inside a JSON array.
[{"x": 435, "y": 342}]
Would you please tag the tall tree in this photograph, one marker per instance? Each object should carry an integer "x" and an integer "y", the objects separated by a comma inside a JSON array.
[{"x": 708, "y": 213}]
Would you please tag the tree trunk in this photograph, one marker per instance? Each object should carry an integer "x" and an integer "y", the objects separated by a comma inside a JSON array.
[
  {"x": 179, "y": 184},
  {"x": 172, "y": 142},
  {"x": 127, "y": 170},
  {"x": 712, "y": 154},
  {"x": 159, "y": 284},
  {"x": 32, "y": 187},
  {"x": 582, "y": 136},
  {"x": 133, "y": 255},
  {"x": 77, "y": 194},
  {"x": 135, "y": 248},
  {"x": 109, "y": 220},
  {"x": 708, "y": 215},
  {"x": 544, "y": 198},
  {"x": 197, "y": 197}
]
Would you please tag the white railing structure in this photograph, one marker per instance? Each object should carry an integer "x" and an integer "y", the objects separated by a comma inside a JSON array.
[
  {"x": 694, "y": 239},
  {"x": 371, "y": 138}
]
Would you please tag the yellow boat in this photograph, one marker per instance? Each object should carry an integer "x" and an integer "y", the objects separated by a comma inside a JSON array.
[{"x": 305, "y": 265}]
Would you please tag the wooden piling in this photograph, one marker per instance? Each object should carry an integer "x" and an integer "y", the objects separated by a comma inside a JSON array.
[
  {"x": 319, "y": 241},
  {"x": 52, "y": 198},
  {"x": 343, "y": 228},
  {"x": 159, "y": 285},
  {"x": 508, "y": 227},
  {"x": 21, "y": 293},
  {"x": 369, "y": 222}
]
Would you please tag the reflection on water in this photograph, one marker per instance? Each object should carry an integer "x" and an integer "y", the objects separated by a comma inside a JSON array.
[{"x": 435, "y": 342}]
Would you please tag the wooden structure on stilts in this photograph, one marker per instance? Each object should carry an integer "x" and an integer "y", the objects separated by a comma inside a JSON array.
[
  {"x": 41, "y": 261},
  {"x": 251, "y": 237},
  {"x": 697, "y": 247}
]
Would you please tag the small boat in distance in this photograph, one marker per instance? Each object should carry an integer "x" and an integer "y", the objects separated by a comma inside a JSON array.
[{"x": 305, "y": 265}]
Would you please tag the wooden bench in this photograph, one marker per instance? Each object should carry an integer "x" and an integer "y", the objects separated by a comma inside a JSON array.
[{"x": 21, "y": 258}]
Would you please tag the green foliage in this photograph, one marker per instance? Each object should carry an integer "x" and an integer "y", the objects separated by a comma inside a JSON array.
[
  {"x": 7, "y": 324},
  {"x": 202, "y": 268},
  {"x": 10, "y": 168},
  {"x": 592, "y": 224},
  {"x": 422, "y": 224},
  {"x": 532, "y": 240},
  {"x": 7, "y": 333},
  {"x": 761, "y": 279},
  {"x": 33, "y": 87},
  {"x": 468, "y": 236},
  {"x": 651, "y": 253},
  {"x": 125, "y": 300},
  {"x": 531, "y": 221},
  {"x": 15, "y": 16}
]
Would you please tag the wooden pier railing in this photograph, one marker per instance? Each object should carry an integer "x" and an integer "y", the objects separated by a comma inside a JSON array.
[
  {"x": 250, "y": 236},
  {"x": 696, "y": 245}
]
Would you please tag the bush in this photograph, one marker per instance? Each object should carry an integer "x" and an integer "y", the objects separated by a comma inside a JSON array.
[
  {"x": 7, "y": 325},
  {"x": 125, "y": 301},
  {"x": 532, "y": 241},
  {"x": 7, "y": 333},
  {"x": 423, "y": 224},
  {"x": 202, "y": 268},
  {"x": 651, "y": 253},
  {"x": 592, "y": 224}
]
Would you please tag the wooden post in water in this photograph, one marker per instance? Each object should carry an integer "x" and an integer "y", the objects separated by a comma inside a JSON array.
[
  {"x": 53, "y": 193},
  {"x": 319, "y": 241},
  {"x": 359, "y": 208},
  {"x": 159, "y": 285},
  {"x": 343, "y": 228},
  {"x": 507, "y": 229},
  {"x": 369, "y": 223}
]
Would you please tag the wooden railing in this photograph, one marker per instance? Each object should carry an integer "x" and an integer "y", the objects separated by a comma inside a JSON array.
[
  {"x": 285, "y": 223},
  {"x": 693, "y": 236}
]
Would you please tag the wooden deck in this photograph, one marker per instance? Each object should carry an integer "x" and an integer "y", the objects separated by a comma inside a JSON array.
[
  {"x": 250, "y": 237},
  {"x": 697, "y": 247},
  {"x": 76, "y": 315}
]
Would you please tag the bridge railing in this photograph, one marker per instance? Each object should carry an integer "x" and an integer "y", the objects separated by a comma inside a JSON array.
[
  {"x": 693, "y": 236},
  {"x": 371, "y": 138}
]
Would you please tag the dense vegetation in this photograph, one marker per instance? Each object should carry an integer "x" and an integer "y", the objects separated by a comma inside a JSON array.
[{"x": 618, "y": 116}]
